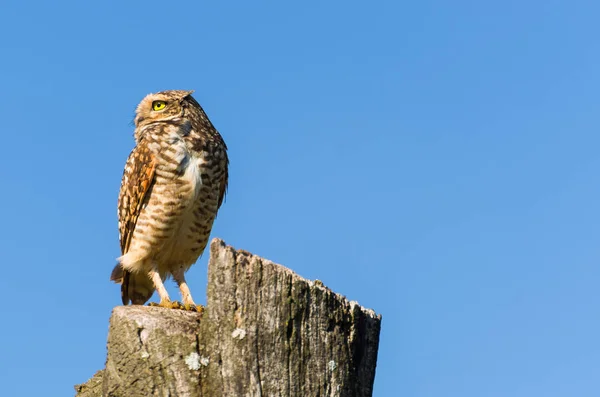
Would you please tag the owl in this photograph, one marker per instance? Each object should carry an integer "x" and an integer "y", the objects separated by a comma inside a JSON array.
[{"x": 173, "y": 184}]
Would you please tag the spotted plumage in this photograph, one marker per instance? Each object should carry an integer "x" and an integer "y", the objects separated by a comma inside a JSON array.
[{"x": 173, "y": 184}]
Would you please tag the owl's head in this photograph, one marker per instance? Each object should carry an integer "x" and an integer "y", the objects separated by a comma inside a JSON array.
[{"x": 162, "y": 106}]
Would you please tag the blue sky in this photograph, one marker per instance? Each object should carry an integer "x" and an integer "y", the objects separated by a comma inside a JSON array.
[{"x": 436, "y": 161}]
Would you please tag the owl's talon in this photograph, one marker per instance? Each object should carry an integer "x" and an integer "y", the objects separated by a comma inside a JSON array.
[
  {"x": 195, "y": 308},
  {"x": 190, "y": 307},
  {"x": 166, "y": 304},
  {"x": 177, "y": 305}
]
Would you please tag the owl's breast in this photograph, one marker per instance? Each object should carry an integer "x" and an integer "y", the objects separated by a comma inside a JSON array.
[{"x": 192, "y": 209}]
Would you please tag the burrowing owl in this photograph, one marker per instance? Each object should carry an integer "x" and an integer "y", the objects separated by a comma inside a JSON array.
[{"x": 173, "y": 185}]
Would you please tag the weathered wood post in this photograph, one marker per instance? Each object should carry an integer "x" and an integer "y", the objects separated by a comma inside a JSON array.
[{"x": 265, "y": 332}]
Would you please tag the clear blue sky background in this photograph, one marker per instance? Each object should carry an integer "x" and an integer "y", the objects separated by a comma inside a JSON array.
[{"x": 436, "y": 161}]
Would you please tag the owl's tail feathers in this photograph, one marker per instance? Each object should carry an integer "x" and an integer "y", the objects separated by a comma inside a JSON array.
[{"x": 136, "y": 288}]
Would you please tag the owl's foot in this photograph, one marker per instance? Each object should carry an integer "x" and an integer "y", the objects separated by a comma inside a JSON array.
[
  {"x": 193, "y": 308},
  {"x": 178, "y": 305},
  {"x": 167, "y": 304}
]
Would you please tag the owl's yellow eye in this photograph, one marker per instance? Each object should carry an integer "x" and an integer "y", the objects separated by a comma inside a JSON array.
[{"x": 158, "y": 105}]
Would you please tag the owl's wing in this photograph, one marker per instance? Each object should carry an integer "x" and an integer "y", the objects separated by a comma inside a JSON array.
[
  {"x": 138, "y": 178},
  {"x": 225, "y": 177},
  {"x": 223, "y": 190}
]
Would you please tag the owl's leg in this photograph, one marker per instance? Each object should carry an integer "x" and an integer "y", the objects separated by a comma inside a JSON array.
[
  {"x": 165, "y": 301},
  {"x": 186, "y": 295}
]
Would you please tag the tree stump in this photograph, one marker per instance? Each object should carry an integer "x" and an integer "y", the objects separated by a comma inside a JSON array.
[{"x": 265, "y": 332}]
